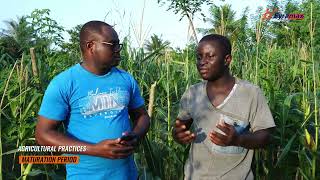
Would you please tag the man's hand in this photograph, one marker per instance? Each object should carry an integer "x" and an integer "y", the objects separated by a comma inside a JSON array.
[
  {"x": 129, "y": 139},
  {"x": 231, "y": 137},
  {"x": 113, "y": 149},
  {"x": 181, "y": 133}
]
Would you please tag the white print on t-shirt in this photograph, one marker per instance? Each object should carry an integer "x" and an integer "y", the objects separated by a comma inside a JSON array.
[{"x": 106, "y": 104}]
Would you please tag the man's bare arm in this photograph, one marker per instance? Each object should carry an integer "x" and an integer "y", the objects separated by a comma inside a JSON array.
[{"x": 141, "y": 121}]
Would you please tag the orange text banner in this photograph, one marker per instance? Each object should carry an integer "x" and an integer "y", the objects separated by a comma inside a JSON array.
[{"x": 49, "y": 159}]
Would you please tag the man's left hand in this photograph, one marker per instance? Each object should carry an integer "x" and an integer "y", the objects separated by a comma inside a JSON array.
[
  {"x": 129, "y": 139},
  {"x": 231, "y": 137}
]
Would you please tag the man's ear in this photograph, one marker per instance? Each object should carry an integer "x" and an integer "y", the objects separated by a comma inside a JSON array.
[
  {"x": 89, "y": 46},
  {"x": 227, "y": 59}
]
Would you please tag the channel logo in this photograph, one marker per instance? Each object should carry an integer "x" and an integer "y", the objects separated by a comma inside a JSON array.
[{"x": 275, "y": 14}]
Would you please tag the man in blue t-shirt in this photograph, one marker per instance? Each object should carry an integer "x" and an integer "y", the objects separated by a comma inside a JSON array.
[{"x": 94, "y": 100}]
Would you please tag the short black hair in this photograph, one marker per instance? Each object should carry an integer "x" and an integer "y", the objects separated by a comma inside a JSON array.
[
  {"x": 223, "y": 41},
  {"x": 89, "y": 31}
]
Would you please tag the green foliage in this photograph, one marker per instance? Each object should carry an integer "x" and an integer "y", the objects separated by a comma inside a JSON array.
[
  {"x": 46, "y": 31},
  {"x": 185, "y": 7},
  {"x": 222, "y": 21},
  {"x": 14, "y": 40},
  {"x": 37, "y": 30},
  {"x": 155, "y": 43},
  {"x": 73, "y": 46},
  {"x": 286, "y": 33}
]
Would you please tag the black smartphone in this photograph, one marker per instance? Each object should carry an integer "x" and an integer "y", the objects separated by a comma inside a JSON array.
[{"x": 128, "y": 137}]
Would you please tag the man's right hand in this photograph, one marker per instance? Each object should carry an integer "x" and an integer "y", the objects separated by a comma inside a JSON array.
[
  {"x": 181, "y": 132},
  {"x": 112, "y": 149}
]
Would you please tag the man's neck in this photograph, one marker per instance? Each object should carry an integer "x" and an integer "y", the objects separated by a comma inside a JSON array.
[
  {"x": 223, "y": 84},
  {"x": 95, "y": 69}
]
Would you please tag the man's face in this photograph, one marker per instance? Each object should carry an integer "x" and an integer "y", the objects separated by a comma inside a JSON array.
[
  {"x": 211, "y": 61},
  {"x": 106, "y": 48}
]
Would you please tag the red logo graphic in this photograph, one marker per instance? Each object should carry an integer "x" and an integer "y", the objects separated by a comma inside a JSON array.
[{"x": 268, "y": 15}]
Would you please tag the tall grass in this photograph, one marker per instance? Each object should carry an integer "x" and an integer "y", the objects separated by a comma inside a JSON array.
[
  {"x": 315, "y": 77},
  {"x": 1, "y": 102}
]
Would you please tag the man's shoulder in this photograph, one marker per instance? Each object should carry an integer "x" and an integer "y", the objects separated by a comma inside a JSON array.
[
  {"x": 196, "y": 87},
  {"x": 248, "y": 87},
  {"x": 122, "y": 73},
  {"x": 65, "y": 75}
]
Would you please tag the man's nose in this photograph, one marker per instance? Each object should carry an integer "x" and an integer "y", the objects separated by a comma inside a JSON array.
[{"x": 202, "y": 61}]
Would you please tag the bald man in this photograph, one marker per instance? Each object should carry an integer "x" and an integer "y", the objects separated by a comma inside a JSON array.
[{"x": 94, "y": 100}]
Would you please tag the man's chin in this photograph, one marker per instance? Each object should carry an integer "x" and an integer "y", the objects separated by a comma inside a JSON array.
[
  {"x": 204, "y": 77},
  {"x": 208, "y": 78}
]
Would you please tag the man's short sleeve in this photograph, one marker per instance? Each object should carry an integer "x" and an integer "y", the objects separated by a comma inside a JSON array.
[
  {"x": 184, "y": 107},
  {"x": 262, "y": 117},
  {"x": 54, "y": 105},
  {"x": 136, "y": 100}
]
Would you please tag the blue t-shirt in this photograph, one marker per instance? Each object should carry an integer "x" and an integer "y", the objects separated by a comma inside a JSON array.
[{"x": 94, "y": 108}]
